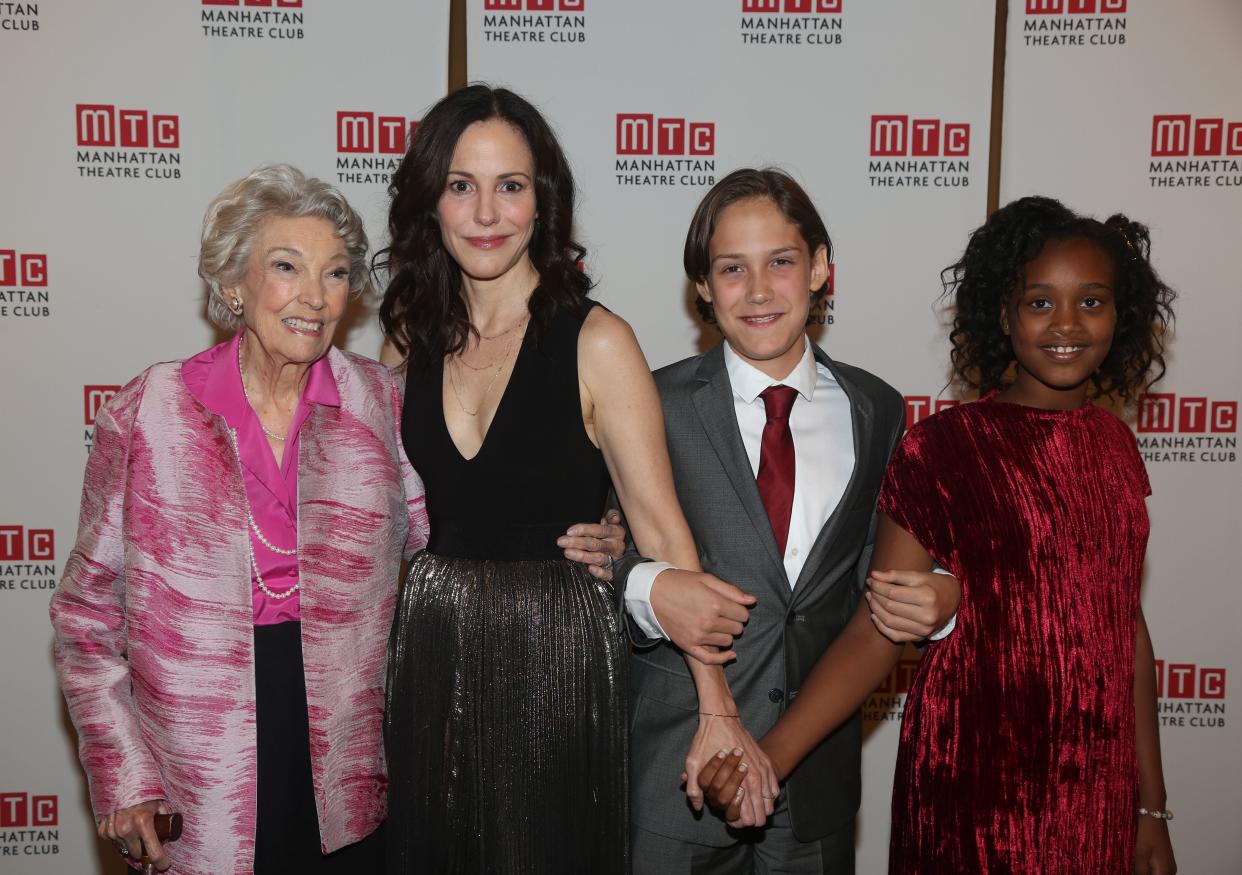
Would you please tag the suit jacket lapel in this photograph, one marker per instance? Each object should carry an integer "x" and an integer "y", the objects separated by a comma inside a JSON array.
[
  {"x": 713, "y": 401},
  {"x": 862, "y": 417}
]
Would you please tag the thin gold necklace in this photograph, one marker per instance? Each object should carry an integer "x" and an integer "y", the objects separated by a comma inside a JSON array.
[{"x": 504, "y": 359}]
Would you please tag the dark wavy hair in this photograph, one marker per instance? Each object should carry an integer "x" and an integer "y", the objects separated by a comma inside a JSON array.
[
  {"x": 993, "y": 269},
  {"x": 423, "y": 312},
  {"x": 771, "y": 183}
]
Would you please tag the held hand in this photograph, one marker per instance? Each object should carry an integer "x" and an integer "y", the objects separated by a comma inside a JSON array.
[
  {"x": 721, "y": 783},
  {"x": 759, "y": 787},
  {"x": 596, "y": 546},
  {"x": 1153, "y": 853},
  {"x": 133, "y": 828},
  {"x": 911, "y": 605},
  {"x": 700, "y": 613}
]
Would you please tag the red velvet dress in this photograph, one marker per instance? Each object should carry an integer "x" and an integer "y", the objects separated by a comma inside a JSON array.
[{"x": 1017, "y": 748}]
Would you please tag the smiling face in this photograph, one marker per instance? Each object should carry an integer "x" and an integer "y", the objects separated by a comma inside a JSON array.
[
  {"x": 1061, "y": 324},
  {"x": 295, "y": 287},
  {"x": 487, "y": 211},
  {"x": 759, "y": 284}
]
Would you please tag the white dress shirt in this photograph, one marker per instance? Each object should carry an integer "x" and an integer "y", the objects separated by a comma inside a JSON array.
[{"x": 823, "y": 435}]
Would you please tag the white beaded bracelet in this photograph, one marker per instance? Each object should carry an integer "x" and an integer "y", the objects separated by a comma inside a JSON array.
[{"x": 1156, "y": 813}]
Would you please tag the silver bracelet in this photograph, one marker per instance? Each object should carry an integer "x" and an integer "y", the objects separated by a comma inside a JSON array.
[{"x": 1157, "y": 813}]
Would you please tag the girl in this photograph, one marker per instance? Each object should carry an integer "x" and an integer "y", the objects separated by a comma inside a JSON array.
[{"x": 1029, "y": 742}]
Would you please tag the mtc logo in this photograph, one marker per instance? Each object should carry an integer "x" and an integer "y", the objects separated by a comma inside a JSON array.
[
  {"x": 919, "y": 407},
  {"x": 793, "y": 7},
  {"x": 22, "y": 809},
  {"x": 644, "y": 134},
  {"x": 22, "y": 268},
  {"x": 1076, "y": 7},
  {"x": 366, "y": 132},
  {"x": 535, "y": 5},
  {"x": 1174, "y": 135},
  {"x": 279, "y": 4},
  {"x": 1184, "y": 680},
  {"x": 1165, "y": 412},
  {"x": 899, "y": 681},
  {"x": 18, "y": 544},
  {"x": 96, "y": 397},
  {"x": 900, "y": 135},
  {"x": 101, "y": 124}
]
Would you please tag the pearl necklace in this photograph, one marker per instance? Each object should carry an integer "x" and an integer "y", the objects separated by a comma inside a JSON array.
[
  {"x": 254, "y": 527},
  {"x": 267, "y": 431}
]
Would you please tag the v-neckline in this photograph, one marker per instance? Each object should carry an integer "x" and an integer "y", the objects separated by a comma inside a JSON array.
[{"x": 500, "y": 405}]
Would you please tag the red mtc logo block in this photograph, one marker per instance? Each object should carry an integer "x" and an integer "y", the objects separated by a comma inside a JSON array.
[
  {"x": 279, "y": 4},
  {"x": 1184, "y": 680},
  {"x": 644, "y": 134},
  {"x": 535, "y": 5},
  {"x": 919, "y": 407},
  {"x": 1075, "y": 7},
  {"x": 99, "y": 124},
  {"x": 366, "y": 132},
  {"x": 1176, "y": 135},
  {"x": 1165, "y": 412},
  {"x": 18, "y": 544},
  {"x": 900, "y": 135},
  {"x": 96, "y": 397},
  {"x": 794, "y": 7},
  {"x": 22, "y": 268},
  {"x": 22, "y": 809}
]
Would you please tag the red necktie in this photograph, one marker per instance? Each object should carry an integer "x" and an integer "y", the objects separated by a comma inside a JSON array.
[{"x": 776, "y": 461}]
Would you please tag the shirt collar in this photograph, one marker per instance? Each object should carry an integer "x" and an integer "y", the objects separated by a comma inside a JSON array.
[
  {"x": 213, "y": 378},
  {"x": 748, "y": 381}
]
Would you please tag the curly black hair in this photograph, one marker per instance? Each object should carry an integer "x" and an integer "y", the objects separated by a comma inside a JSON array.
[
  {"x": 993, "y": 269},
  {"x": 423, "y": 312}
]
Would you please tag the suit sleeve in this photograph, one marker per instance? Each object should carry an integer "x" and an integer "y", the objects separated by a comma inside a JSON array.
[
  {"x": 90, "y": 628},
  {"x": 419, "y": 530},
  {"x": 620, "y": 581},
  {"x": 892, "y": 437}
]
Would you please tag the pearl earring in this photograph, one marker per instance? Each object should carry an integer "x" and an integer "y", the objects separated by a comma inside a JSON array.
[{"x": 237, "y": 305}]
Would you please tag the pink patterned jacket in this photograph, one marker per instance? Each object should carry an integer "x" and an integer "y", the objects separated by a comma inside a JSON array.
[{"x": 154, "y": 630}]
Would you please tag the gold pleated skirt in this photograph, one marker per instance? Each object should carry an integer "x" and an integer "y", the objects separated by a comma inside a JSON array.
[{"x": 506, "y": 720}]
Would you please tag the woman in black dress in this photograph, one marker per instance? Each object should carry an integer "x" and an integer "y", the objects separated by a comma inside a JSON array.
[{"x": 506, "y": 725}]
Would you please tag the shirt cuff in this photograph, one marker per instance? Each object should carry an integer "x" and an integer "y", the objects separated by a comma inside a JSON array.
[
  {"x": 945, "y": 630},
  {"x": 638, "y": 597}
]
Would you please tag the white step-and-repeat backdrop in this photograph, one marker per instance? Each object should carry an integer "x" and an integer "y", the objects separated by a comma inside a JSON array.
[
  {"x": 127, "y": 117},
  {"x": 122, "y": 120}
]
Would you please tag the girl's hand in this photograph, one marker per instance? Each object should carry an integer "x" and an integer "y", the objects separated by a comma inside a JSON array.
[
  {"x": 759, "y": 778},
  {"x": 1153, "y": 853}
]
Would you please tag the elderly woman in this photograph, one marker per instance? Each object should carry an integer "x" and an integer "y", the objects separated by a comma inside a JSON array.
[{"x": 221, "y": 624}]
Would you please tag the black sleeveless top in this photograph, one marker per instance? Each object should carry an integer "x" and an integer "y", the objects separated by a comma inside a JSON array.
[{"x": 537, "y": 472}]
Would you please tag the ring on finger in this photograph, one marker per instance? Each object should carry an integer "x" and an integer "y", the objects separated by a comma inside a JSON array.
[
  {"x": 123, "y": 849},
  {"x": 608, "y": 562}
]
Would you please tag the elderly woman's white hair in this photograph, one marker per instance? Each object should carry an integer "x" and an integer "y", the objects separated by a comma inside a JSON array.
[{"x": 233, "y": 219}]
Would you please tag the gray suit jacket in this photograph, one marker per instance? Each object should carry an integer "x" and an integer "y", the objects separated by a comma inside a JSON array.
[{"x": 788, "y": 628}]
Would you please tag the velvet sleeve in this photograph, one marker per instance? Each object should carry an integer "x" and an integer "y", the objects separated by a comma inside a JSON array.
[{"x": 915, "y": 495}]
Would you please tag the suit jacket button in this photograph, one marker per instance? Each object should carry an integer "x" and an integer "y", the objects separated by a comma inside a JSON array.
[
  {"x": 794, "y": 618},
  {"x": 775, "y": 695}
]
